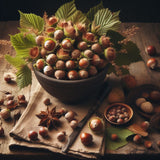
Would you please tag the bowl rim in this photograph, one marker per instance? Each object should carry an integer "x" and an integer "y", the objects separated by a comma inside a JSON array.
[
  {"x": 103, "y": 71},
  {"x": 115, "y": 104}
]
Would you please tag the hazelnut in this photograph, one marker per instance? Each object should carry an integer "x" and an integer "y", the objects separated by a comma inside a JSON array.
[
  {"x": 120, "y": 121},
  {"x": 21, "y": 97},
  {"x": 70, "y": 115},
  {"x": 148, "y": 144},
  {"x": 51, "y": 59},
  {"x": 152, "y": 63},
  {"x": 86, "y": 138},
  {"x": 147, "y": 107},
  {"x": 137, "y": 139},
  {"x": 9, "y": 97},
  {"x": 96, "y": 125},
  {"x": 43, "y": 131},
  {"x": 88, "y": 53},
  {"x": 139, "y": 101},
  {"x": 39, "y": 40},
  {"x": 33, "y": 135},
  {"x": 47, "y": 101},
  {"x": 62, "y": 111},
  {"x": 114, "y": 137},
  {"x": 7, "y": 78},
  {"x": 10, "y": 102},
  {"x": 145, "y": 125},
  {"x": 112, "y": 118},
  {"x": 73, "y": 124},
  {"x": 151, "y": 50},
  {"x": 48, "y": 71},
  {"x": 5, "y": 113},
  {"x": 60, "y": 64},
  {"x": 61, "y": 136},
  {"x": 83, "y": 74},
  {"x": 60, "y": 74},
  {"x": 75, "y": 54}
]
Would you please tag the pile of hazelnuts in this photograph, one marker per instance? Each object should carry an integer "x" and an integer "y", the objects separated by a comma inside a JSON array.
[{"x": 69, "y": 51}]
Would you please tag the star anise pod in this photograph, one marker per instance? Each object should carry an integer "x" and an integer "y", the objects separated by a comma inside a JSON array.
[{"x": 49, "y": 118}]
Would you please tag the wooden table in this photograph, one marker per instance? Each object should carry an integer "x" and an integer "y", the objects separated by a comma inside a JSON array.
[{"x": 148, "y": 34}]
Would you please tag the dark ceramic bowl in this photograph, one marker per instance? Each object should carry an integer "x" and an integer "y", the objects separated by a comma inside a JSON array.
[{"x": 71, "y": 91}]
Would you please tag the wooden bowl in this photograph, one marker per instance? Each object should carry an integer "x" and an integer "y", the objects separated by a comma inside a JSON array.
[
  {"x": 125, "y": 113},
  {"x": 71, "y": 91}
]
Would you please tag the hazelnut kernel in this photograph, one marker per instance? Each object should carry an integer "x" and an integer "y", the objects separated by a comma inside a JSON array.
[{"x": 120, "y": 121}]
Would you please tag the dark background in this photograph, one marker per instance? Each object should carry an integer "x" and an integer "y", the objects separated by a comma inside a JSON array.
[{"x": 131, "y": 10}]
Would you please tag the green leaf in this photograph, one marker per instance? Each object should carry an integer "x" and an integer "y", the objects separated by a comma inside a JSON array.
[
  {"x": 110, "y": 69},
  {"x": 122, "y": 133},
  {"x": 90, "y": 14},
  {"x": 22, "y": 44},
  {"x": 18, "y": 62},
  {"x": 66, "y": 10},
  {"x": 115, "y": 37},
  {"x": 31, "y": 21},
  {"x": 107, "y": 21},
  {"x": 24, "y": 77},
  {"x": 78, "y": 16},
  {"x": 132, "y": 55}
]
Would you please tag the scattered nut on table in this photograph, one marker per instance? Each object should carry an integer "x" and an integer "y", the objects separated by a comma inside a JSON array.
[
  {"x": 147, "y": 107},
  {"x": 139, "y": 101}
]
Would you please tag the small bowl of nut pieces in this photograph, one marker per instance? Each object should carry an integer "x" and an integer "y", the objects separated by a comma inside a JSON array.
[{"x": 118, "y": 113}]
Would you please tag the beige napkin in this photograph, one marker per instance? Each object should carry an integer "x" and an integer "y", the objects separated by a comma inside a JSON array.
[{"x": 29, "y": 121}]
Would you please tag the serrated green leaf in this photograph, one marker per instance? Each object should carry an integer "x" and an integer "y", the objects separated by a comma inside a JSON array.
[
  {"x": 24, "y": 77},
  {"x": 22, "y": 44},
  {"x": 31, "y": 21},
  {"x": 107, "y": 21},
  {"x": 78, "y": 16},
  {"x": 122, "y": 133},
  {"x": 17, "y": 62},
  {"x": 115, "y": 37},
  {"x": 66, "y": 10},
  {"x": 132, "y": 55},
  {"x": 90, "y": 14}
]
